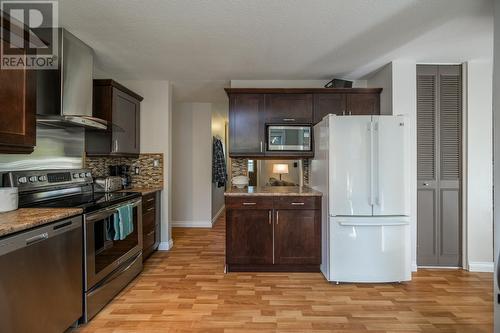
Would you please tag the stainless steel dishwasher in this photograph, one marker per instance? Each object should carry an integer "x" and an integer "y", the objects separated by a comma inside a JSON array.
[{"x": 41, "y": 278}]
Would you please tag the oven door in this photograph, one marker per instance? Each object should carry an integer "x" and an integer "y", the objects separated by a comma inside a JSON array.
[
  {"x": 289, "y": 138},
  {"x": 103, "y": 253}
]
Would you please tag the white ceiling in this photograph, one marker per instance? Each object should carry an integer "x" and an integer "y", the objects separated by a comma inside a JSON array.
[{"x": 220, "y": 40}]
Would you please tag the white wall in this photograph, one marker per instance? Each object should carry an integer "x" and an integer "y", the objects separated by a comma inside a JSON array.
[
  {"x": 219, "y": 120},
  {"x": 156, "y": 137},
  {"x": 479, "y": 169},
  {"x": 192, "y": 167},
  {"x": 382, "y": 78},
  {"x": 496, "y": 134},
  {"x": 404, "y": 102},
  {"x": 288, "y": 83}
]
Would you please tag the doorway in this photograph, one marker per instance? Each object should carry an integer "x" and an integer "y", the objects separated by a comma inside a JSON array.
[{"x": 439, "y": 165}]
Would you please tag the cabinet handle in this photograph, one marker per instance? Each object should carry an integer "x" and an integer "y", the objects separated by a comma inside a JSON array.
[
  {"x": 261, "y": 150},
  {"x": 288, "y": 119},
  {"x": 270, "y": 217},
  {"x": 249, "y": 203},
  {"x": 343, "y": 112},
  {"x": 116, "y": 146},
  {"x": 150, "y": 233},
  {"x": 350, "y": 113},
  {"x": 277, "y": 217},
  {"x": 150, "y": 209},
  {"x": 297, "y": 204},
  {"x": 150, "y": 199}
]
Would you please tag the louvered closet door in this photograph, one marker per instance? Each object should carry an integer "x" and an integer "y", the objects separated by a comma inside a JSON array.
[{"x": 439, "y": 114}]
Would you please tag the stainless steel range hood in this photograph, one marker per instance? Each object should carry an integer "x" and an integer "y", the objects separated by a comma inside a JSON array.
[{"x": 64, "y": 96}]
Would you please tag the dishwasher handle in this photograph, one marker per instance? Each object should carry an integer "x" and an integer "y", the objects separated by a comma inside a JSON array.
[{"x": 37, "y": 238}]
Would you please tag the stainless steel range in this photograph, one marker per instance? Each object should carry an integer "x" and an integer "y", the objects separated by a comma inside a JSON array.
[{"x": 110, "y": 262}]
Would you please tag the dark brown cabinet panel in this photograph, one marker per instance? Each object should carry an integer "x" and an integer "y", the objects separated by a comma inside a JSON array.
[
  {"x": 18, "y": 109},
  {"x": 249, "y": 236},
  {"x": 246, "y": 128},
  {"x": 289, "y": 108},
  {"x": 297, "y": 237},
  {"x": 328, "y": 103},
  {"x": 150, "y": 224},
  {"x": 121, "y": 108},
  {"x": 273, "y": 233},
  {"x": 363, "y": 104}
]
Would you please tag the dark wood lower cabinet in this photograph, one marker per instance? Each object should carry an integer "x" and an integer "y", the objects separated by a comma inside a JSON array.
[
  {"x": 249, "y": 237},
  {"x": 150, "y": 224},
  {"x": 281, "y": 234},
  {"x": 297, "y": 237}
]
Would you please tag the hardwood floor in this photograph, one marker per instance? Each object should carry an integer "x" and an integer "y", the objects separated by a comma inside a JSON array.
[{"x": 186, "y": 290}]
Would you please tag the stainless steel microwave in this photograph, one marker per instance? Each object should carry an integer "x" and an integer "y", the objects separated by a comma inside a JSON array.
[{"x": 289, "y": 137}]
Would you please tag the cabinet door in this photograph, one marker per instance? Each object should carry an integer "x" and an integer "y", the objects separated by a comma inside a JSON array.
[
  {"x": 297, "y": 237},
  {"x": 328, "y": 103},
  {"x": 289, "y": 108},
  {"x": 126, "y": 123},
  {"x": 18, "y": 101},
  {"x": 363, "y": 104},
  {"x": 245, "y": 125},
  {"x": 249, "y": 236}
]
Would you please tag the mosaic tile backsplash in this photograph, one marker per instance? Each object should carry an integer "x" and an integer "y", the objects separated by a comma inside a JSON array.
[{"x": 149, "y": 175}]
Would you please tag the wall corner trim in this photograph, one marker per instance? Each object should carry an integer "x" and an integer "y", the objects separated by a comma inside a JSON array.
[
  {"x": 216, "y": 217},
  {"x": 165, "y": 246},
  {"x": 481, "y": 266}
]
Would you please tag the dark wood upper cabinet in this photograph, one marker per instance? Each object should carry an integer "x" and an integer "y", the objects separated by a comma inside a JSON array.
[
  {"x": 121, "y": 108},
  {"x": 249, "y": 236},
  {"x": 289, "y": 108},
  {"x": 297, "y": 237},
  {"x": 18, "y": 104},
  {"x": 328, "y": 103},
  {"x": 252, "y": 109},
  {"x": 246, "y": 130},
  {"x": 363, "y": 104}
]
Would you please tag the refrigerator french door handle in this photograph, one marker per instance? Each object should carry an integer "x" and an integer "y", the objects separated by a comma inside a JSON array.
[{"x": 371, "y": 164}]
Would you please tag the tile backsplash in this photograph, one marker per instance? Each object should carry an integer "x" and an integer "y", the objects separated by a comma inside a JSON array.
[{"x": 149, "y": 174}]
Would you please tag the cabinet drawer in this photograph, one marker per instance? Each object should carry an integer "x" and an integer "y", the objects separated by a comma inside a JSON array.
[
  {"x": 148, "y": 239},
  {"x": 297, "y": 202},
  {"x": 249, "y": 202},
  {"x": 148, "y": 222},
  {"x": 148, "y": 201}
]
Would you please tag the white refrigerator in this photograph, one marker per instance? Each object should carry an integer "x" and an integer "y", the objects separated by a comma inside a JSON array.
[{"x": 361, "y": 166}]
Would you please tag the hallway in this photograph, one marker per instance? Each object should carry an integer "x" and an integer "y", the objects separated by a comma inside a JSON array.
[{"x": 186, "y": 290}]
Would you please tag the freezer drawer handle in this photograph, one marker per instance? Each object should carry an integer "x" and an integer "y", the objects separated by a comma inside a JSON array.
[{"x": 375, "y": 224}]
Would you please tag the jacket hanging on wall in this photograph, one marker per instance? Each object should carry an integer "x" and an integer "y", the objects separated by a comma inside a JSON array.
[{"x": 219, "y": 175}]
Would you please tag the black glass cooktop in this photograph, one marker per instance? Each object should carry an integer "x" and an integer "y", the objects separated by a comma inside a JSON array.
[{"x": 89, "y": 202}]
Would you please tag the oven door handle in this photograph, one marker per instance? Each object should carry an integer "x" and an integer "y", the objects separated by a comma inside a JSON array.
[{"x": 100, "y": 214}]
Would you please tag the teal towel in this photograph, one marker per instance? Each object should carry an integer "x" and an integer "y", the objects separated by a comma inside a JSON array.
[{"x": 123, "y": 222}]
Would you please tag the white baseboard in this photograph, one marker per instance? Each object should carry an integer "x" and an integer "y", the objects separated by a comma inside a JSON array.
[
  {"x": 481, "y": 266},
  {"x": 221, "y": 210},
  {"x": 414, "y": 266},
  {"x": 165, "y": 246},
  {"x": 192, "y": 224}
]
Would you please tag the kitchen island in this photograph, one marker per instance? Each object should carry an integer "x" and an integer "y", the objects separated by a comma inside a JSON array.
[{"x": 275, "y": 229}]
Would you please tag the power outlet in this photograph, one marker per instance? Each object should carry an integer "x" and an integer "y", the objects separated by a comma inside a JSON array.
[
  {"x": 156, "y": 163},
  {"x": 137, "y": 170}
]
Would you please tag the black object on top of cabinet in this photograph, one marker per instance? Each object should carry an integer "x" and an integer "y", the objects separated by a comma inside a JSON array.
[
  {"x": 121, "y": 107},
  {"x": 18, "y": 100}
]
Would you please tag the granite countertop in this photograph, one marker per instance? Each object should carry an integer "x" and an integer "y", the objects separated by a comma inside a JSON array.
[
  {"x": 273, "y": 191},
  {"x": 144, "y": 190},
  {"x": 26, "y": 218}
]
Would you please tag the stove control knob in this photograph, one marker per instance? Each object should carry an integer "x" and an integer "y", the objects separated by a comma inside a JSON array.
[
  {"x": 33, "y": 179},
  {"x": 42, "y": 178},
  {"x": 82, "y": 175},
  {"x": 75, "y": 175},
  {"x": 22, "y": 180},
  {"x": 88, "y": 174}
]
